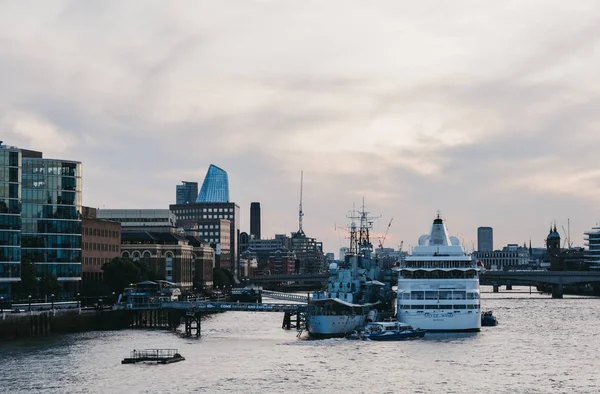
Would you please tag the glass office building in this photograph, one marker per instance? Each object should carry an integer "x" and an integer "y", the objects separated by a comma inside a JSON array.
[
  {"x": 186, "y": 193},
  {"x": 51, "y": 218},
  {"x": 10, "y": 219},
  {"x": 215, "y": 187}
]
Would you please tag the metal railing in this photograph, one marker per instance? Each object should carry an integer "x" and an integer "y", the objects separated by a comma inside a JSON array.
[{"x": 276, "y": 295}]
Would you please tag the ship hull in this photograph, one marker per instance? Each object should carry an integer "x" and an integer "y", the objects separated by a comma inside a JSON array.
[
  {"x": 333, "y": 326},
  {"x": 442, "y": 321}
]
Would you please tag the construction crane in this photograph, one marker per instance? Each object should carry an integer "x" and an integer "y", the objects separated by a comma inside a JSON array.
[
  {"x": 567, "y": 241},
  {"x": 381, "y": 241}
]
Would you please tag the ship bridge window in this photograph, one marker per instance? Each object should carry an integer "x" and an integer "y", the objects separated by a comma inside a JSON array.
[
  {"x": 417, "y": 307},
  {"x": 431, "y": 295},
  {"x": 459, "y": 295},
  {"x": 445, "y": 295},
  {"x": 460, "y": 306},
  {"x": 431, "y": 306},
  {"x": 472, "y": 296},
  {"x": 406, "y": 296},
  {"x": 417, "y": 295},
  {"x": 445, "y": 306}
]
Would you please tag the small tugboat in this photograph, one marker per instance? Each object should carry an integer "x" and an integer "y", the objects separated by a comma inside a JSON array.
[
  {"x": 488, "y": 319},
  {"x": 158, "y": 356},
  {"x": 387, "y": 331}
]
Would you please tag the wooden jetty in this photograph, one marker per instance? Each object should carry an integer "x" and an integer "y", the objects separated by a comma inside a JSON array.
[{"x": 158, "y": 356}]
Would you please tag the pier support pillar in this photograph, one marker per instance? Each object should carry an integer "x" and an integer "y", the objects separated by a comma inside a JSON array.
[
  {"x": 496, "y": 288},
  {"x": 508, "y": 286},
  {"x": 287, "y": 321},
  {"x": 557, "y": 291}
]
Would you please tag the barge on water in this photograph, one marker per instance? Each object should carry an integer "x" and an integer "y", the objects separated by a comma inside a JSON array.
[{"x": 158, "y": 356}]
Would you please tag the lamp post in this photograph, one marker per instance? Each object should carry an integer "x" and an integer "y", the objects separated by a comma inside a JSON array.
[
  {"x": 29, "y": 303},
  {"x": 114, "y": 300},
  {"x": 52, "y": 300},
  {"x": 2, "y": 307}
]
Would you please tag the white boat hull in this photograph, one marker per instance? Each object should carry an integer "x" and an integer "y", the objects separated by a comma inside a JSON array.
[
  {"x": 442, "y": 320},
  {"x": 332, "y": 326}
]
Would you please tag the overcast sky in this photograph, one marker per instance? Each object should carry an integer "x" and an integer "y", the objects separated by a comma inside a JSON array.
[{"x": 487, "y": 111}]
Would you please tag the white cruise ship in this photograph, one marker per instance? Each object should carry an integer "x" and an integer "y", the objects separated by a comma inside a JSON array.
[{"x": 438, "y": 284}]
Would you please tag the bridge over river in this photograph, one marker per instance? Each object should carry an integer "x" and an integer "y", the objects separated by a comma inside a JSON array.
[{"x": 555, "y": 278}]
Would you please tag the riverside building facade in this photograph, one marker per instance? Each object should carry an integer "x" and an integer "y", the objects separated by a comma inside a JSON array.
[
  {"x": 592, "y": 241},
  {"x": 40, "y": 218},
  {"x": 10, "y": 219},
  {"x": 100, "y": 243}
]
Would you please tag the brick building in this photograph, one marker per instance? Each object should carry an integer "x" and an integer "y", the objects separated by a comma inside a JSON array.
[{"x": 100, "y": 243}]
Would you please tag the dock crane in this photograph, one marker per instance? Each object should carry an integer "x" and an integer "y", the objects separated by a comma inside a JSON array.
[{"x": 381, "y": 241}]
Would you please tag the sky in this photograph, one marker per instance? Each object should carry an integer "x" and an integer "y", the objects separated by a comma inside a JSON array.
[{"x": 485, "y": 111}]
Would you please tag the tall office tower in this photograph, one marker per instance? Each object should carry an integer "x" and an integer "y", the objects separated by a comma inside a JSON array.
[
  {"x": 485, "y": 239},
  {"x": 186, "y": 193},
  {"x": 255, "y": 220},
  {"x": 208, "y": 213},
  {"x": 215, "y": 187}
]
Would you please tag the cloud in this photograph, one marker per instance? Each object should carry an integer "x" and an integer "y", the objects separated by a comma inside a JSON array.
[
  {"x": 484, "y": 111},
  {"x": 30, "y": 129}
]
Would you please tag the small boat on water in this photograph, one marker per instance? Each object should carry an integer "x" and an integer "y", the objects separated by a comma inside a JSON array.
[
  {"x": 158, "y": 356},
  {"x": 387, "y": 331},
  {"x": 488, "y": 319}
]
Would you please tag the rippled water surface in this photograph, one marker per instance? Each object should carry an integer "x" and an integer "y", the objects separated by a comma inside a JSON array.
[{"x": 541, "y": 346}]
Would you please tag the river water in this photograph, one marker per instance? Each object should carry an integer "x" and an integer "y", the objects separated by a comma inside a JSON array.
[{"x": 540, "y": 346}]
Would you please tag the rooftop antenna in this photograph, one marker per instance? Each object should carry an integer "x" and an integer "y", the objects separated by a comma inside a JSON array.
[{"x": 300, "y": 213}]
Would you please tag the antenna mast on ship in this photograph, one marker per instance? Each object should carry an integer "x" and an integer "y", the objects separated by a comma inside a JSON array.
[
  {"x": 353, "y": 239},
  {"x": 360, "y": 239},
  {"x": 300, "y": 213}
]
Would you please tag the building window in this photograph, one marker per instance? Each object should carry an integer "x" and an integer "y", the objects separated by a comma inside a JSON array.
[{"x": 169, "y": 267}]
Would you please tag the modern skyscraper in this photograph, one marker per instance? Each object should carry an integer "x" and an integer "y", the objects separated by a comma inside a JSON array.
[
  {"x": 186, "y": 193},
  {"x": 485, "y": 239},
  {"x": 255, "y": 220},
  {"x": 215, "y": 187}
]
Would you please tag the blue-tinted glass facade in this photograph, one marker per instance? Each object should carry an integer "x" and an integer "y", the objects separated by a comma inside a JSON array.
[
  {"x": 50, "y": 216},
  {"x": 186, "y": 193},
  {"x": 10, "y": 219},
  {"x": 215, "y": 187}
]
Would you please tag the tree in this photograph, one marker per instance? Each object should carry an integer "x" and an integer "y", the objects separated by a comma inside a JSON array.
[
  {"x": 49, "y": 285},
  {"x": 229, "y": 277},
  {"x": 220, "y": 278},
  {"x": 120, "y": 272},
  {"x": 29, "y": 284}
]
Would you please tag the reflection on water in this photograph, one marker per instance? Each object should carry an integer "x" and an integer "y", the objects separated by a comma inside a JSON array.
[{"x": 541, "y": 345}]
